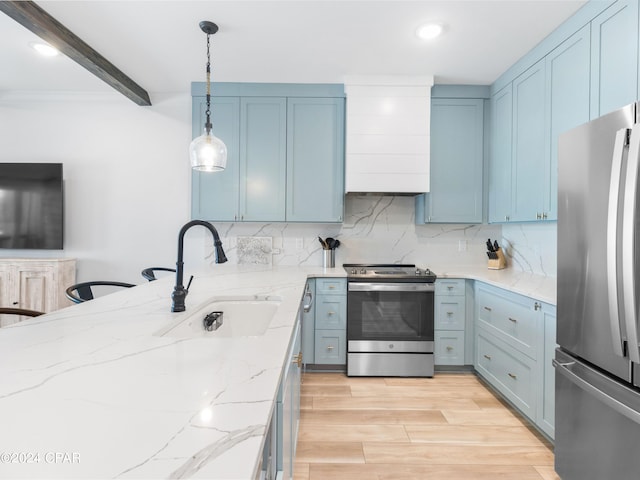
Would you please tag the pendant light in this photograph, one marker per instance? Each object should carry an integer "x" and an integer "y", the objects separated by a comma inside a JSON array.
[{"x": 207, "y": 152}]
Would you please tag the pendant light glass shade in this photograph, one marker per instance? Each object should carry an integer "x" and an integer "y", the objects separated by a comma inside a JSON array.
[{"x": 208, "y": 153}]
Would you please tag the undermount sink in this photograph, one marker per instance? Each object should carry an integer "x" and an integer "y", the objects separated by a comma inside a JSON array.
[{"x": 242, "y": 317}]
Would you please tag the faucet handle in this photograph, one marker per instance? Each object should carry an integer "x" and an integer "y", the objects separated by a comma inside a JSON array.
[{"x": 189, "y": 284}]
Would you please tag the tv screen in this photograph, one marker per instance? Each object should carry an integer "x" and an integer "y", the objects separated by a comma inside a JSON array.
[{"x": 31, "y": 206}]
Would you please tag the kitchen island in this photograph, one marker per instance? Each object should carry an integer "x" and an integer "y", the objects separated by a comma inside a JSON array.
[
  {"x": 102, "y": 390},
  {"x": 95, "y": 390}
]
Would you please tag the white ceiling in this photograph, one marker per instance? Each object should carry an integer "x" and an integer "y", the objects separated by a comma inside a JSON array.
[{"x": 160, "y": 46}]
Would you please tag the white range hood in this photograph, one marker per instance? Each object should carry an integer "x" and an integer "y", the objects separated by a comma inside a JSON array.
[{"x": 387, "y": 134}]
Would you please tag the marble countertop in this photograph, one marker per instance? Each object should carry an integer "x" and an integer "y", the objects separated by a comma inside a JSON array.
[
  {"x": 93, "y": 390},
  {"x": 535, "y": 286}
]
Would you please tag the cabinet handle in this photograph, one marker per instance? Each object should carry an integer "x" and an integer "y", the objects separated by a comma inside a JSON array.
[
  {"x": 513, "y": 320},
  {"x": 506, "y": 218},
  {"x": 449, "y": 348},
  {"x": 449, "y": 287},
  {"x": 488, "y": 357},
  {"x": 538, "y": 216},
  {"x": 15, "y": 303},
  {"x": 331, "y": 313},
  {"x": 331, "y": 287},
  {"x": 449, "y": 314},
  {"x": 544, "y": 216},
  {"x": 515, "y": 377},
  {"x": 297, "y": 360},
  {"x": 330, "y": 347},
  {"x": 488, "y": 309},
  {"x": 537, "y": 306}
]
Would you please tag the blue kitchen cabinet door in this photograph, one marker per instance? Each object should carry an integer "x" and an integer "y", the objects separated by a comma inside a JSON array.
[
  {"x": 309, "y": 323},
  {"x": 500, "y": 156},
  {"x": 263, "y": 158},
  {"x": 288, "y": 409},
  {"x": 315, "y": 160},
  {"x": 529, "y": 139},
  {"x": 546, "y": 402},
  {"x": 567, "y": 71},
  {"x": 614, "y": 58},
  {"x": 457, "y": 133},
  {"x": 214, "y": 195}
]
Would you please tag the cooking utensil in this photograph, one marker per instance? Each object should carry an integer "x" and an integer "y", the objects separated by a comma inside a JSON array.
[
  {"x": 332, "y": 243},
  {"x": 323, "y": 243}
]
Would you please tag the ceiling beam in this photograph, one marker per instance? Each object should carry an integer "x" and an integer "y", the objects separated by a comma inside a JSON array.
[{"x": 35, "y": 19}]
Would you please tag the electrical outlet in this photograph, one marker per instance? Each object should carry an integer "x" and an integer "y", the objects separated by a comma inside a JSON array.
[
  {"x": 299, "y": 244},
  {"x": 462, "y": 245}
]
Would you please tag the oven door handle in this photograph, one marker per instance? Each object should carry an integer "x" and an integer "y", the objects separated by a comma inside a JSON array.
[{"x": 390, "y": 287}]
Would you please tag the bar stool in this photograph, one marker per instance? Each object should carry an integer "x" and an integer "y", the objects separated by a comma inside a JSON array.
[
  {"x": 149, "y": 273},
  {"x": 82, "y": 292}
]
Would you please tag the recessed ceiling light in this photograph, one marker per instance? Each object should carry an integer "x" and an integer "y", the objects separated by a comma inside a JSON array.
[
  {"x": 429, "y": 31},
  {"x": 44, "y": 49}
]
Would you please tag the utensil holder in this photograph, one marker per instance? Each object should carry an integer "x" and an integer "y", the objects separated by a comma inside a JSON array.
[
  {"x": 497, "y": 263},
  {"x": 328, "y": 258}
]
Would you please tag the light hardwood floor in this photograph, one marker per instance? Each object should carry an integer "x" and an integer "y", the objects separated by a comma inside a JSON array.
[{"x": 450, "y": 427}]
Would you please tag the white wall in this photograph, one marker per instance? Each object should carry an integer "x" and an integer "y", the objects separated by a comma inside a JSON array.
[{"x": 127, "y": 178}]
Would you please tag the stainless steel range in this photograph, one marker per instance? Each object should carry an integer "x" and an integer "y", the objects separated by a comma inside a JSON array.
[{"x": 390, "y": 320}]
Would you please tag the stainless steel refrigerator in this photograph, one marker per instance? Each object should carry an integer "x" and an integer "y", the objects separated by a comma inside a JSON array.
[{"x": 598, "y": 360}]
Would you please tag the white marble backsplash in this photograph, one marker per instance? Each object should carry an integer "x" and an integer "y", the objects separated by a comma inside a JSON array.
[
  {"x": 382, "y": 229},
  {"x": 532, "y": 247}
]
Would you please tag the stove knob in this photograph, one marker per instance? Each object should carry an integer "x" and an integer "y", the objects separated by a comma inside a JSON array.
[
  {"x": 418, "y": 272},
  {"x": 363, "y": 271},
  {"x": 354, "y": 271}
]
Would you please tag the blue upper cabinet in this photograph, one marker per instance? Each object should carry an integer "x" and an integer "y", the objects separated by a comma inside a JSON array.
[
  {"x": 500, "y": 155},
  {"x": 457, "y": 133},
  {"x": 286, "y": 153},
  {"x": 215, "y": 196},
  {"x": 263, "y": 158},
  {"x": 527, "y": 174},
  {"x": 567, "y": 71},
  {"x": 315, "y": 159},
  {"x": 527, "y": 116},
  {"x": 614, "y": 58}
]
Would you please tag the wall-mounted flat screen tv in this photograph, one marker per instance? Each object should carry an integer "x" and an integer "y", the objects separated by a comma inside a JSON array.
[{"x": 31, "y": 206}]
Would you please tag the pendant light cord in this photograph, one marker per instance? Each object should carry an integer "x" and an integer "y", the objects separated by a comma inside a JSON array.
[{"x": 208, "y": 125}]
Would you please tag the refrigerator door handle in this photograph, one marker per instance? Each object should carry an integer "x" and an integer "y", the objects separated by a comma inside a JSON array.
[
  {"x": 572, "y": 371},
  {"x": 628, "y": 245},
  {"x": 612, "y": 239}
]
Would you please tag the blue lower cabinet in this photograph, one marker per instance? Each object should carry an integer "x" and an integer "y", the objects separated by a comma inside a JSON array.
[
  {"x": 450, "y": 321},
  {"x": 515, "y": 343},
  {"x": 330, "y": 321},
  {"x": 331, "y": 347},
  {"x": 509, "y": 371},
  {"x": 449, "y": 347},
  {"x": 288, "y": 410},
  {"x": 309, "y": 323}
]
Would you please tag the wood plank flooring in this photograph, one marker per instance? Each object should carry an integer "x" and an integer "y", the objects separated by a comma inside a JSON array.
[{"x": 450, "y": 427}]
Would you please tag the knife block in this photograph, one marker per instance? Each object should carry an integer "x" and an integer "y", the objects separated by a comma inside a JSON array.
[{"x": 497, "y": 263}]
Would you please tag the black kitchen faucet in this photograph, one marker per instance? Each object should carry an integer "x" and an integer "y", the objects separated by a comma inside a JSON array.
[{"x": 179, "y": 292}]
